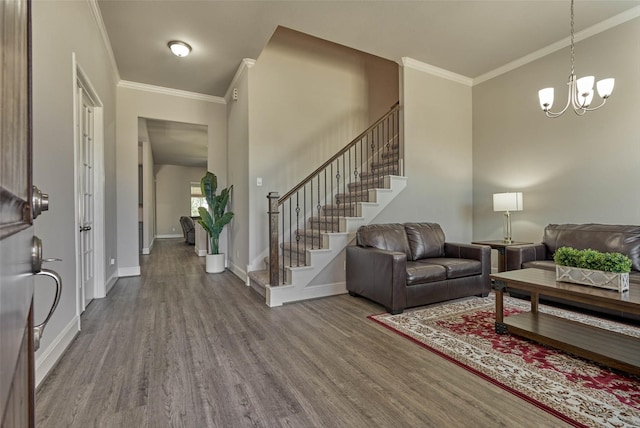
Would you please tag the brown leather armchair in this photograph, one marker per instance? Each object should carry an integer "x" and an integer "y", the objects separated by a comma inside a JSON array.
[
  {"x": 405, "y": 265},
  {"x": 188, "y": 230}
]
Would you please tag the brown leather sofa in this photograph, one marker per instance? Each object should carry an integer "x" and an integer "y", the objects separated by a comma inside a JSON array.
[
  {"x": 405, "y": 265},
  {"x": 623, "y": 239}
]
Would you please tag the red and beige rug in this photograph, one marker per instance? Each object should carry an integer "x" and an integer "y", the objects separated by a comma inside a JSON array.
[{"x": 575, "y": 390}]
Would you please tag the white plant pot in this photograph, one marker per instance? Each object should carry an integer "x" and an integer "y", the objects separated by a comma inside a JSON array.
[
  {"x": 596, "y": 278},
  {"x": 215, "y": 263}
]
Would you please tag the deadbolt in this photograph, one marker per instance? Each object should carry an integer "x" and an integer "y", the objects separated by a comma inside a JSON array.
[{"x": 39, "y": 201}]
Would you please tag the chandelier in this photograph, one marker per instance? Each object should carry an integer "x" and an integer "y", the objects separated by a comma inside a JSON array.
[{"x": 580, "y": 90}]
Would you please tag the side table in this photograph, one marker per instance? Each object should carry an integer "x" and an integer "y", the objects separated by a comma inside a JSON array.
[{"x": 500, "y": 245}]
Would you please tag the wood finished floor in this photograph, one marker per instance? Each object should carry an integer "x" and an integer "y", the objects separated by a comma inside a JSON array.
[{"x": 177, "y": 347}]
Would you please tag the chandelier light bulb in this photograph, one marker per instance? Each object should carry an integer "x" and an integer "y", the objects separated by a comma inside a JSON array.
[{"x": 180, "y": 49}]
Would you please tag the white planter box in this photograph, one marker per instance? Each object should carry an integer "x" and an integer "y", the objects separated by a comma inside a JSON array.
[{"x": 597, "y": 278}]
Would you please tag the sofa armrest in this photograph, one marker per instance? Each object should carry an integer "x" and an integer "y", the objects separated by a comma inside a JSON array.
[
  {"x": 472, "y": 252},
  {"x": 379, "y": 275},
  {"x": 516, "y": 255}
]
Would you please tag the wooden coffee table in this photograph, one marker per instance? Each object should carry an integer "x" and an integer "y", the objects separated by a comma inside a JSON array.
[{"x": 603, "y": 346}]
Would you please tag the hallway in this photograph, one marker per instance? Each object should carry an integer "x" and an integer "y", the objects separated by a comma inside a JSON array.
[{"x": 177, "y": 347}]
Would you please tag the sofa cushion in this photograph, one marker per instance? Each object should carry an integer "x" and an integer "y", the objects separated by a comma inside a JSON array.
[
  {"x": 602, "y": 237},
  {"x": 457, "y": 268},
  {"x": 540, "y": 264},
  {"x": 390, "y": 237},
  {"x": 419, "y": 272},
  {"x": 425, "y": 240}
]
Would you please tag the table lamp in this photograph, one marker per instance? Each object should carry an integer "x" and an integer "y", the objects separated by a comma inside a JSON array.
[{"x": 507, "y": 202}]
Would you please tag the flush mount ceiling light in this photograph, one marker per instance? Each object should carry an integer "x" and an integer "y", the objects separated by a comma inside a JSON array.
[
  {"x": 580, "y": 90},
  {"x": 179, "y": 48}
]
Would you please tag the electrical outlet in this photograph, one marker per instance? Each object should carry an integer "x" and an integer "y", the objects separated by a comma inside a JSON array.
[
  {"x": 112, "y": 262},
  {"x": 173, "y": 229},
  {"x": 259, "y": 181}
]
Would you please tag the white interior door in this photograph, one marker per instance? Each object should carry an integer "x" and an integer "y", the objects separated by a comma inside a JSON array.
[{"x": 86, "y": 204}]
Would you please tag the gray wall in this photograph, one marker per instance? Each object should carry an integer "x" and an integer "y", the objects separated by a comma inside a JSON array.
[
  {"x": 238, "y": 175},
  {"x": 308, "y": 98},
  {"x": 148, "y": 198},
  {"x": 438, "y": 155},
  {"x": 173, "y": 196},
  {"x": 134, "y": 103},
  {"x": 570, "y": 169},
  {"x": 61, "y": 28}
]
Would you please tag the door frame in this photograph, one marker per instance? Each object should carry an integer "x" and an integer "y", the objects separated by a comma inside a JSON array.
[{"x": 80, "y": 78}]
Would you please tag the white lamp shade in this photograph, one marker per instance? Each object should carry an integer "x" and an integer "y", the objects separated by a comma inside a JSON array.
[
  {"x": 507, "y": 201},
  {"x": 546, "y": 98},
  {"x": 585, "y": 84},
  {"x": 605, "y": 87}
]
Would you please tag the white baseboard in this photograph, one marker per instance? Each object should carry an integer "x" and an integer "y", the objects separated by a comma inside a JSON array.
[
  {"x": 173, "y": 235},
  {"x": 48, "y": 357},
  {"x": 200, "y": 252},
  {"x": 239, "y": 272},
  {"x": 276, "y": 296},
  {"x": 129, "y": 271},
  {"x": 110, "y": 283},
  {"x": 146, "y": 251}
]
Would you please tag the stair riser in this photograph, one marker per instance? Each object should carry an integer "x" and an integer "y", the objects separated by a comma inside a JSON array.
[
  {"x": 349, "y": 198},
  {"x": 371, "y": 175},
  {"x": 301, "y": 246},
  {"x": 310, "y": 234},
  {"x": 340, "y": 213},
  {"x": 292, "y": 258},
  {"x": 383, "y": 163},
  {"x": 366, "y": 185}
]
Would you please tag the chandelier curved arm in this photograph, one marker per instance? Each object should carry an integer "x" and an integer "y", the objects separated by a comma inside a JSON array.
[{"x": 551, "y": 114}]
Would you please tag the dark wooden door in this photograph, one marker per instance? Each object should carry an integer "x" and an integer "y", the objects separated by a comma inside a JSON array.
[{"x": 16, "y": 231}]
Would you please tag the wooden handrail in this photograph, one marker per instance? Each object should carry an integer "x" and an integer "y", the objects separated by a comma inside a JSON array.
[{"x": 346, "y": 148}]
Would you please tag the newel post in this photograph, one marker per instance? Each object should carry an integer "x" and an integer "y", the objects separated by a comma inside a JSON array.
[{"x": 274, "y": 268}]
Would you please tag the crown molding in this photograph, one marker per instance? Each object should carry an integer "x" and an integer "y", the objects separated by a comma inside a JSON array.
[
  {"x": 97, "y": 16},
  {"x": 581, "y": 35},
  {"x": 169, "y": 91},
  {"x": 436, "y": 71},
  {"x": 246, "y": 64}
]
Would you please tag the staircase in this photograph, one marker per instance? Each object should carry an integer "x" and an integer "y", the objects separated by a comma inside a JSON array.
[{"x": 319, "y": 217}]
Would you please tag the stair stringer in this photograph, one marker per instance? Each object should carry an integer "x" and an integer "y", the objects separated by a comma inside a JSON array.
[{"x": 298, "y": 287}]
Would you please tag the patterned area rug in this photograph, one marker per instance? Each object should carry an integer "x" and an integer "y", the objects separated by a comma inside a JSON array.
[{"x": 575, "y": 390}]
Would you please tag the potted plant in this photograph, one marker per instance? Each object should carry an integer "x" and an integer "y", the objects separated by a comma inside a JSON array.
[
  {"x": 592, "y": 267},
  {"x": 214, "y": 219}
]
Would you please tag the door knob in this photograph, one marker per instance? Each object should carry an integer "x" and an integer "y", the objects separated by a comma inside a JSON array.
[
  {"x": 36, "y": 261},
  {"x": 39, "y": 201}
]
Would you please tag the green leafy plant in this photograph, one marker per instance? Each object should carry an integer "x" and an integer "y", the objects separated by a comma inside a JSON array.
[
  {"x": 592, "y": 259},
  {"x": 215, "y": 218}
]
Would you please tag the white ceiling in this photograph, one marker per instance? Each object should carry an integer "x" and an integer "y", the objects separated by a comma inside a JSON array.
[
  {"x": 177, "y": 143},
  {"x": 469, "y": 38}
]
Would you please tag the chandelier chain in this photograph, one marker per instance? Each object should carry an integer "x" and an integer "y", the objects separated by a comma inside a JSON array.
[{"x": 572, "y": 46}]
